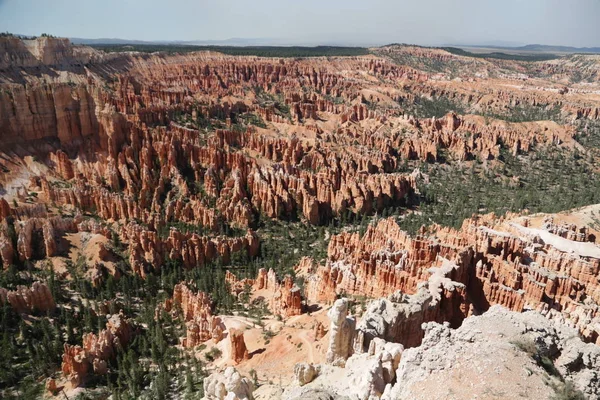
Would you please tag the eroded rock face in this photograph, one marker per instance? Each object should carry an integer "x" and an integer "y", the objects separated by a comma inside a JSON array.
[
  {"x": 134, "y": 148},
  {"x": 285, "y": 299},
  {"x": 341, "y": 333},
  {"x": 451, "y": 130},
  {"x": 148, "y": 250},
  {"x": 201, "y": 325},
  {"x": 7, "y": 250},
  {"x": 96, "y": 350},
  {"x": 367, "y": 265},
  {"x": 37, "y": 236},
  {"x": 568, "y": 231},
  {"x": 455, "y": 273},
  {"x": 337, "y": 141},
  {"x": 52, "y": 111},
  {"x": 141, "y": 158},
  {"x": 500, "y": 345},
  {"x": 42, "y": 51},
  {"x": 399, "y": 318},
  {"x": 75, "y": 364},
  {"x": 5, "y": 209},
  {"x": 364, "y": 376},
  {"x": 229, "y": 385},
  {"x": 239, "y": 352},
  {"x": 478, "y": 358},
  {"x": 36, "y": 298},
  {"x": 370, "y": 373},
  {"x": 63, "y": 164},
  {"x": 144, "y": 163}
]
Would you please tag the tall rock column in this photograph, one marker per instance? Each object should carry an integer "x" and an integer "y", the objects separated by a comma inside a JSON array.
[
  {"x": 341, "y": 333},
  {"x": 239, "y": 352}
]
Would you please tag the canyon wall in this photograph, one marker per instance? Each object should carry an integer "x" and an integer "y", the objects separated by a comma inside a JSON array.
[{"x": 456, "y": 273}]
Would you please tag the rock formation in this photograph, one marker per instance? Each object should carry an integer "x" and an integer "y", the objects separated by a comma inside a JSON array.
[
  {"x": 568, "y": 231},
  {"x": 5, "y": 209},
  {"x": 541, "y": 356},
  {"x": 75, "y": 365},
  {"x": 341, "y": 333},
  {"x": 239, "y": 352},
  {"x": 181, "y": 157},
  {"x": 458, "y": 273},
  {"x": 77, "y": 361},
  {"x": 400, "y": 317},
  {"x": 305, "y": 373},
  {"x": 364, "y": 376},
  {"x": 501, "y": 346},
  {"x": 201, "y": 325},
  {"x": 37, "y": 298},
  {"x": 284, "y": 299},
  {"x": 7, "y": 250},
  {"x": 287, "y": 299},
  {"x": 229, "y": 385},
  {"x": 146, "y": 163},
  {"x": 37, "y": 236},
  {"x": 147, "y": 249}
]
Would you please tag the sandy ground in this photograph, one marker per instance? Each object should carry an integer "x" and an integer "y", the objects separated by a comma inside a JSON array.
[
  {"x": 85, "y": 245},
  {"x": 273, "y": 358}
]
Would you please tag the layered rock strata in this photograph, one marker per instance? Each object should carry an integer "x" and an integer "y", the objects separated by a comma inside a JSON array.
[{"x": 457, "y": 273}]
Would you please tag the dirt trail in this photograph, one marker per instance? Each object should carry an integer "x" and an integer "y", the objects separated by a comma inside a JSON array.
[{"x": 309, "y": 347}]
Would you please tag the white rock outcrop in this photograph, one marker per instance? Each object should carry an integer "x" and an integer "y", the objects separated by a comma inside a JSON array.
[
  {"x": 341, "y": 333},
  {"x": 537, "y": 356},
  {"x": 305, "y": 373},
  {"x": 540, "y": 357},
  {"x": 229, "y": 385},
  {"x": 364, "y": 377}
]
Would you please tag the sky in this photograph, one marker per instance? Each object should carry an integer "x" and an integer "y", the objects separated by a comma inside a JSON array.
[{"x": 347, "y": 22}]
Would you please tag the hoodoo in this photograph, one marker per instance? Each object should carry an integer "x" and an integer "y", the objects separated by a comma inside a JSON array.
[{"x": 265, "y": 222}]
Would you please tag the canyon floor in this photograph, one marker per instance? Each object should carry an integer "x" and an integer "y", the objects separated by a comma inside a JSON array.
[{"x": 389, "y": 223}]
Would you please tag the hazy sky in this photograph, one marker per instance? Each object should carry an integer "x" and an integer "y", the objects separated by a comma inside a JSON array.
[{"x": 428, "y": 22}]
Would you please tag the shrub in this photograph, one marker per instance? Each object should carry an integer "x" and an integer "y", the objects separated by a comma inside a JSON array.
[
  {"x": 567, "y": 391},
  {"x": 213, "y": 354}
]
